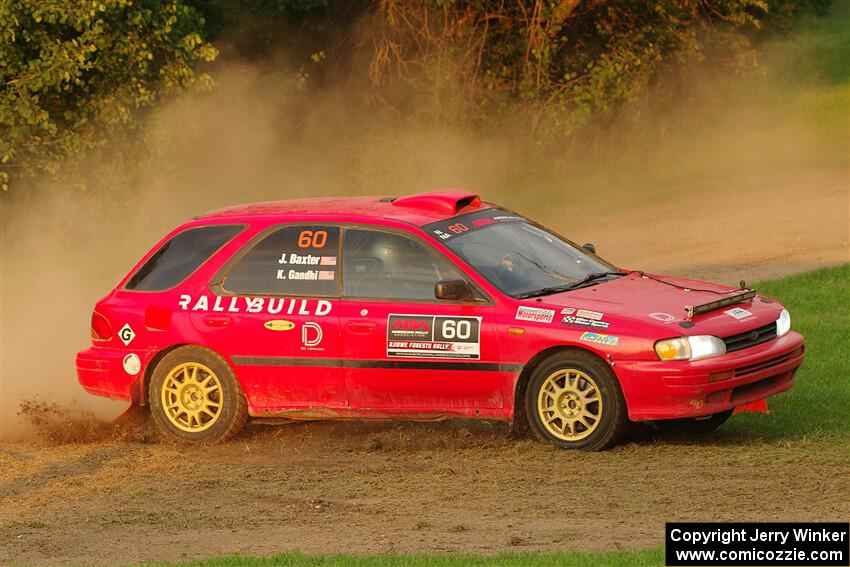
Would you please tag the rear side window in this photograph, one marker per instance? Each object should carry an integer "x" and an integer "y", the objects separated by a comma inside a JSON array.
[
  {"x": 180, "y": 256},
  {"x": 294, "y": 260}
]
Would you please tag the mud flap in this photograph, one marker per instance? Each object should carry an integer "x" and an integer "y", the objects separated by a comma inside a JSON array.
[{"x": 759, "y": 406}]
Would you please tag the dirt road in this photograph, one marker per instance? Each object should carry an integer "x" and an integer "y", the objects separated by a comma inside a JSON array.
[{"x": 325, "y": 488}]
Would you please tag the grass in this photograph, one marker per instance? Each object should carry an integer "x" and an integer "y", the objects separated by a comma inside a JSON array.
[
  {"x": 817, "y": 405},
  {"x": 652, "y": 557}
]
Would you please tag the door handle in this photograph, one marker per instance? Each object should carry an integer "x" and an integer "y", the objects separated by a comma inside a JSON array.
[
  {"x": 217, "y": 321},
  {"x": 361, "y": 327}
]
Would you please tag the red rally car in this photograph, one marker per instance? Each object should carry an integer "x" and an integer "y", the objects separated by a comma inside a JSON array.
[{"x": 423, "y": 307}]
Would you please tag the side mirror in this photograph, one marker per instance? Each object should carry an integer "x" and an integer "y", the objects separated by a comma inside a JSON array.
[
  {"x": 589, "y": 247},
  {"x": 452, "y": 290}
]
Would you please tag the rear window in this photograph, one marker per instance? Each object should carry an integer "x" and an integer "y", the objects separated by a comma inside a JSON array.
[{"x": 180, "y": 256}]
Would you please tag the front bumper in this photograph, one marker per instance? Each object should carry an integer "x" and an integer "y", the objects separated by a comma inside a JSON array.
[
  {"x": 668, "y": 390},
  {"x": 100, "y": 371}
]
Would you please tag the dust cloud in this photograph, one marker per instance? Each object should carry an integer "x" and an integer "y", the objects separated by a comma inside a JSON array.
[{"x": 729, "y": 183}]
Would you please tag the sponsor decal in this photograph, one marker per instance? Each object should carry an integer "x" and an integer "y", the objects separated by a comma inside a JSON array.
[
  {"x": 663, "y": 317},
  {"x": 576, "y": 321},
  {"x": 364, "y": 312},
  {"x": 573, "y": 317},
  {"x": 411, "y": 327},
  {"x": 431, "y": 336},
  {"x": 534, "y": 314},
  {"x": 595, "y": 315},
  {"x": 132, "y": 364},
  {"x": 738, "y": 313},
  {"x": 279, "y": 325},
  {"x": 311, "y": 336},
  {"x": 270, "y": 305},
  {"x": 126, "y": 334},
  {"x": 600, "y": 339}
]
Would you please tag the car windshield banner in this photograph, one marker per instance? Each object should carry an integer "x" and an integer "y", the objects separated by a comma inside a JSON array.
[{"x": 457, "y": 226}]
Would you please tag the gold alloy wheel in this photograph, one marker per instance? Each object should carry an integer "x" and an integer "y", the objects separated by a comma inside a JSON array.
[
  {"x": 192, "y": 397},
  {"x": 569, "y": 404}
]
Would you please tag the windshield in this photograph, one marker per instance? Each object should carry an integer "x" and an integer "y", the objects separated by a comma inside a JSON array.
[{"x": 517, "y": 256}]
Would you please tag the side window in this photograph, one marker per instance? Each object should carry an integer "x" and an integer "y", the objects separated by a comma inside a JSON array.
[
  {"x": 387, "y": 265},
  {"x": 294, "y": 260},
  {"x": 180, "y": 256}
]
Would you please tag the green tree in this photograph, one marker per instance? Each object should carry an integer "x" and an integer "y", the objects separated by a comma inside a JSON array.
[
  {"x": 556, "y": 64},
  {"x": 72, "y": 71}
]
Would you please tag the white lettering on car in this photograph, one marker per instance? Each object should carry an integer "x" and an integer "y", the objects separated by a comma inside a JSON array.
[
  {"x": 275, "y": 308},
  {"x": 254, "y": 304},
  {"x": 303, "y": 309},
  {"x": 314, "y": 338},
  {"x": 272, "y": 305},
  {"x": 323, "y": 307}
]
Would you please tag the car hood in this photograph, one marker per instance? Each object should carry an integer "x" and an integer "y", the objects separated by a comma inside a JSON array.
[{"x": 652, "y": 300}]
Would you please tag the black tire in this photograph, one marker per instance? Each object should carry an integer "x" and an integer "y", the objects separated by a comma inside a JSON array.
[
  {"x": 225, "y": 409},
  {"x": 694, "y": 426},
  {"x": 582, "y": 368}
]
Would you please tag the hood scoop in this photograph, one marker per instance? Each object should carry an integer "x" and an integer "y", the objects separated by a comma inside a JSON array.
[{"x": 445, "y": 201}]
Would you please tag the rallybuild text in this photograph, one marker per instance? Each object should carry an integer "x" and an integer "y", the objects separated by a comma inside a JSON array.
[{"x": 757, "y": 544}]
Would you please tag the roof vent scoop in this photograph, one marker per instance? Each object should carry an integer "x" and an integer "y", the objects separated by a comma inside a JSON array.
[{"x": 445, "y": 201}]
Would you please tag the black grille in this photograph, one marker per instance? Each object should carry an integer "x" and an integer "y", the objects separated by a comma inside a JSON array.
[{"x": 750, "y": 338}]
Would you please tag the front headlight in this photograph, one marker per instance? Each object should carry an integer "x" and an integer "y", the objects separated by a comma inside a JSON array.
[
  {"x": 783, "y": 324},
  {"x": 690, "y": 348}
]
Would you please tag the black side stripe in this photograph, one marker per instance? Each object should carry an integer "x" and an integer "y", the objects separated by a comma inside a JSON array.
[{"x": 396, "y": 364}]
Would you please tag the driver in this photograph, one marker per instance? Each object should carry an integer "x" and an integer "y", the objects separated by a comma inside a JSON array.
[{"x": 509, "y": 274}]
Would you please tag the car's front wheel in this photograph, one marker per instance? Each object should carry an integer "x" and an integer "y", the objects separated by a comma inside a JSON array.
[
  {"x": 574, "y": 401},
  {"x": 194, "y": 397}
]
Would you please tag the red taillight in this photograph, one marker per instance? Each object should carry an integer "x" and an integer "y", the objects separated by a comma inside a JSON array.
[{"x": 100, "y": 328}]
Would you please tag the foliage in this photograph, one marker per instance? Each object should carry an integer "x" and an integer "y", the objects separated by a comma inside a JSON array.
[
  {"x": 557, "y": 64},
  {"x": 72, "y": 71}
]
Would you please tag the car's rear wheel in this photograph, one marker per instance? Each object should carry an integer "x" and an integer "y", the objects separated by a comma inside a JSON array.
[
  {"x": 194, "y": 397},
  {"x": 574, "y": 401}
]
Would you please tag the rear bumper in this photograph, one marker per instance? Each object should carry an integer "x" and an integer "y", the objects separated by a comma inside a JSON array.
[
  {"x": 100, "y": 371},
  {"x": 669, "y": 390}
]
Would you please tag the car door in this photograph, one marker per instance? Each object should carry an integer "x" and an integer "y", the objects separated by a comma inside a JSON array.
[
  {"x": 403, "y": 348},
  {"x": 274, "y": 312}
]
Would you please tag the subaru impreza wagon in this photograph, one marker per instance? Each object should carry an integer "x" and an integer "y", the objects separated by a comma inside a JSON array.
[{"x": 424, "y": 307}]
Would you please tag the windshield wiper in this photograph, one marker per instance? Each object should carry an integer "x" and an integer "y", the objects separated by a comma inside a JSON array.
[
  {"x": 544, "y": 291},
  {"x": 594, "y": 276},
  {"x": 583, "y": 282}
]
